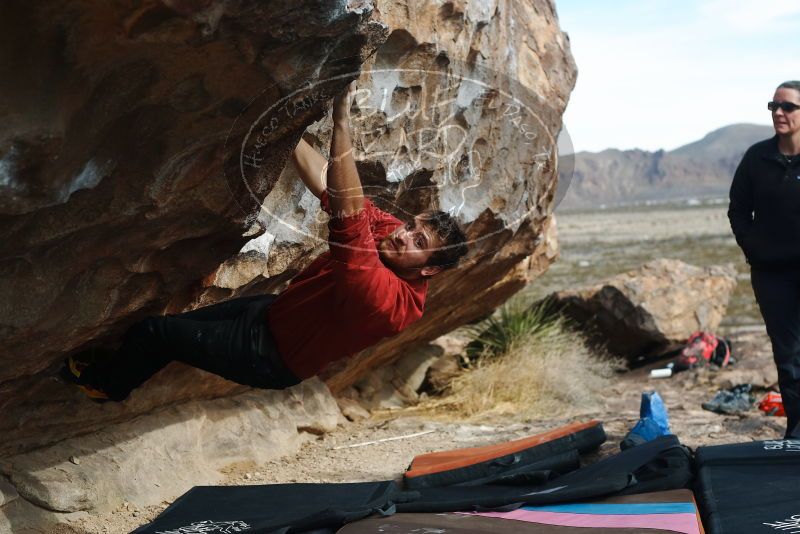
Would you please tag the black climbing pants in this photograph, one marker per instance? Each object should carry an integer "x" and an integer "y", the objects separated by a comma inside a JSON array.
[
  {"x": 230, "y": 339},
  {"x": 778, "y": 297}
]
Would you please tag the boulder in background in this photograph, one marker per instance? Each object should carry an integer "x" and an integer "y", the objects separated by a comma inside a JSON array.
[{"x": 646, "y": 311}]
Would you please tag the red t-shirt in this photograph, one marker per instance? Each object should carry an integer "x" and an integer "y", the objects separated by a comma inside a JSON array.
[{"x": 347, "y": 299}]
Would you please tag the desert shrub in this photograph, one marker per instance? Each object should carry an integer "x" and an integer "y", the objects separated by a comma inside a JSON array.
[
  {"x": 514, "y": 322},
  {"x": 530, "y": 361}
]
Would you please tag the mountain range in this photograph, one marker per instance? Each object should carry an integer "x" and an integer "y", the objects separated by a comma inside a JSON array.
[{"x": 700, "y": 169}]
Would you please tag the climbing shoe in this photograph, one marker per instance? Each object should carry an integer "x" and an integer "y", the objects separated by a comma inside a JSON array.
[
  {"x": 731, "y": 401},
  {"x": 71, "y": 373}
]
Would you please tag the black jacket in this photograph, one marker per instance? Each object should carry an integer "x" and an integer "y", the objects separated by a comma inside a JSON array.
[{"x": 765, "y": 207}]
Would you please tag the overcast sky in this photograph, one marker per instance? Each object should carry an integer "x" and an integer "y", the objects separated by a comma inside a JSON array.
[{"x": 661, "y": 73}]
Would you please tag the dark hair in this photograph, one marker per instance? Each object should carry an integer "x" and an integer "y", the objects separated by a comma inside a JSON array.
[
  {"x": 792, "y": 84},
  {"x": 454, "y": 242}
]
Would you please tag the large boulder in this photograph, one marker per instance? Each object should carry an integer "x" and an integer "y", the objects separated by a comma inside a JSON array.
[
  {"x": 138, "y": 157},
  {"x": 442, "y": 70},
  {"x": 647, "y": 310},
  {"x": 118, "y": 190}
]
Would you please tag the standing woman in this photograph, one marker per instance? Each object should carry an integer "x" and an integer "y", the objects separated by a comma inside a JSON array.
[{"x": 765, "y": 217}]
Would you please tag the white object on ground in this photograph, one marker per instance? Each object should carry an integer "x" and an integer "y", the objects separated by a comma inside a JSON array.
[
  {"x": 661, "y": 373},
  {"x": 382, "y": 440}
]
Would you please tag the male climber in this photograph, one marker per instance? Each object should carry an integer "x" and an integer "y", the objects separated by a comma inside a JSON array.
[{"x": 369, "y": 285}]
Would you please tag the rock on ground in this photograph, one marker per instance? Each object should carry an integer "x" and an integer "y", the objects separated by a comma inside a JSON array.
[
  {"x": 645, "y": 311},
  {"x": 161, "y": 455},
  {"x": 397, "y": 385}
]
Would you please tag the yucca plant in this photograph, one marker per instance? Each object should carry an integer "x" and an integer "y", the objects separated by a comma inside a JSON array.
[{"x": 516, "y": 321}]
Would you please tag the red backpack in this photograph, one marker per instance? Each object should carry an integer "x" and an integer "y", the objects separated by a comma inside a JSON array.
[{"x": 703, "y": 349}]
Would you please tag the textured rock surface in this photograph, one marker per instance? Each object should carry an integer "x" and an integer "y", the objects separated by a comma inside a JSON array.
[
  {"x": 396, "y": 385},
  {"x": 161, "y": 455},
  {"x": 113, "y": 167},
  {"x": 8, "y": 493},
  {"x": 352, "y": 409},
  {"x": 422, "y": 369},
  {"x": 114, "y": 162},
  {"x": 642, "y": 312},
  {"x": 449, "y": 364},
  {"x": 512, "y": 47}
]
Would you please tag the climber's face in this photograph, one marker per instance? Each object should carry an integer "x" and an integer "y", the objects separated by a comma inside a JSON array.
[{"x": 407, "y": 250}]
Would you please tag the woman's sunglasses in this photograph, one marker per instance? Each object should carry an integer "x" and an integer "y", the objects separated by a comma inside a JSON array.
[{"x": 787, "y": 107}]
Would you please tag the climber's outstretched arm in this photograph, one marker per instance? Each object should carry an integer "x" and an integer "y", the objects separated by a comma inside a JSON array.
[
  {"x": 311, "y": 166},
  {"x": 344, "y": 186}
]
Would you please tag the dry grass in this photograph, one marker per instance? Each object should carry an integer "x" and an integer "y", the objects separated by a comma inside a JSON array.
[{"x": 545, "y": 370}]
